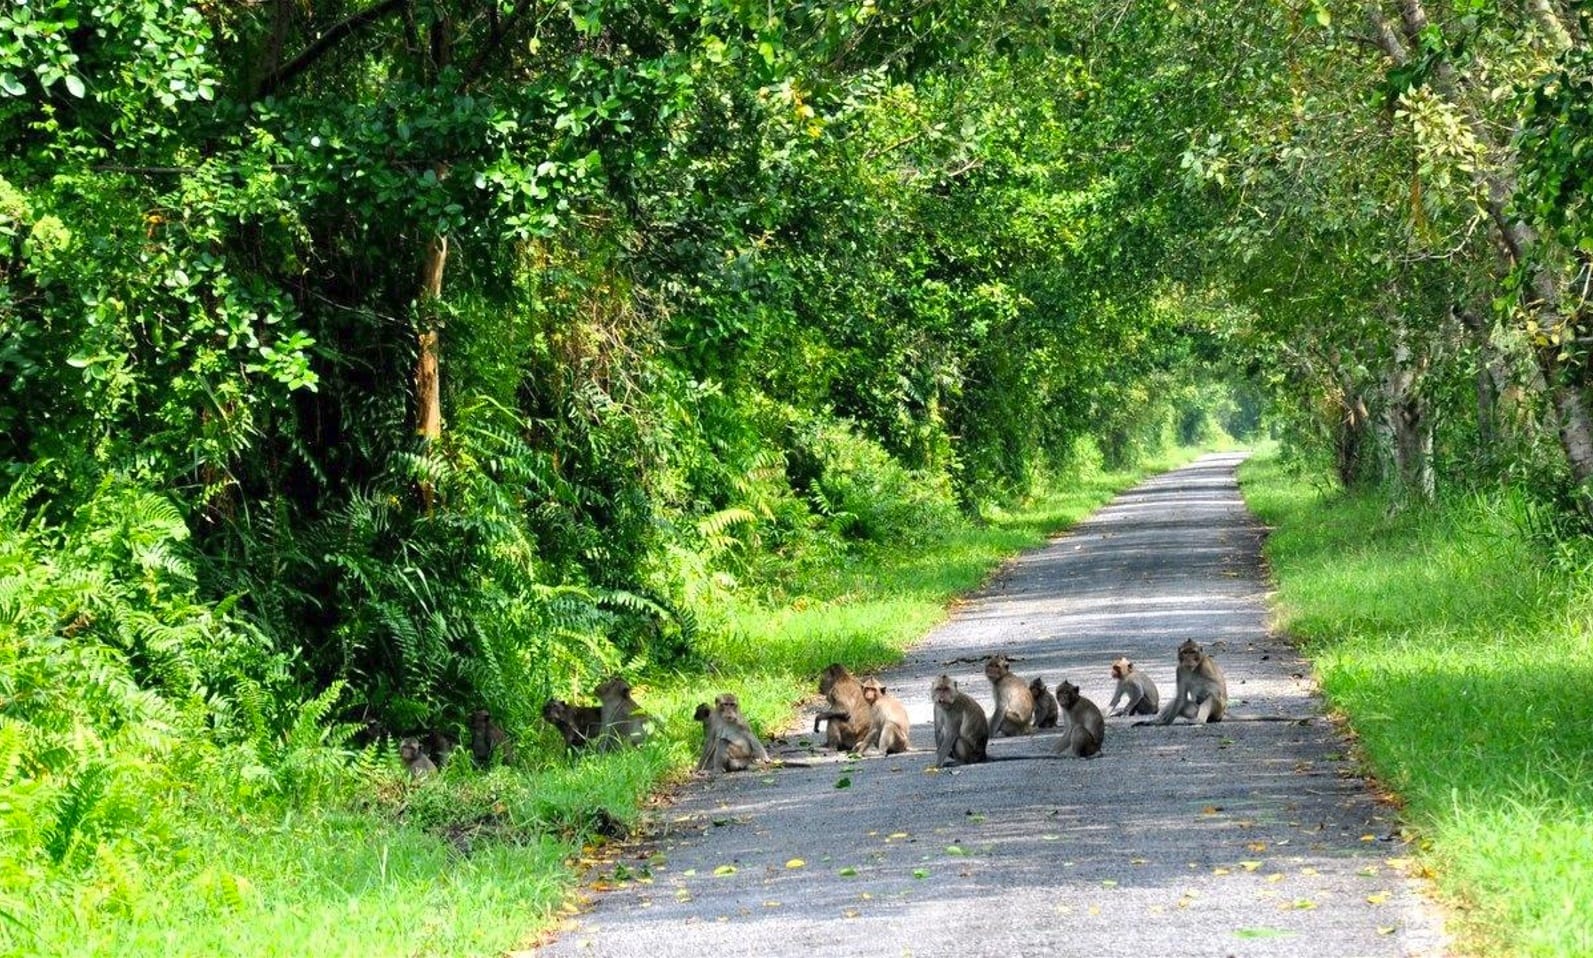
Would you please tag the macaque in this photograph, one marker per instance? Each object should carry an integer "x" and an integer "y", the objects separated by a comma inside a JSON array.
[
  {"x": 849, "y": 714},
  {"x": 1045, "y": 712},
  {"x": 888, "y": 723},
  {"x": 487, "y": 737},
  {"x": 1135, "y": 688},
  {"x": 415, "y": 759},
  {"x": 729, "y": 744},
  {"x": 577, "y": 724},
  {"x": 1014, "y": 710},
  {"x": 1083, "y": 726},
  {"x": 962, "y": 732},
  {"x": 438, "y": 746},
  {"x": 1201, "y": 694},
  {"x": 621, "y": 720}
]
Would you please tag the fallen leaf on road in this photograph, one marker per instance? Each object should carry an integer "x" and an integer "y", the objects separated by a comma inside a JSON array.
[
  {"x": 1378, "y": 898},
  {"x": 795, "y": 863},
  {"x": 1385, "y": 929},
  {"x": 1250, "y": 866},
  {"x": 1263, "y": 933},
  {"x": 725, "y": 870},
  {"x": 847, "y": 872}
]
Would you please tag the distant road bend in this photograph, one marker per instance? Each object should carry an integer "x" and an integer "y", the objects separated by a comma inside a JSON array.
[{"x": 1240, "y": 838}]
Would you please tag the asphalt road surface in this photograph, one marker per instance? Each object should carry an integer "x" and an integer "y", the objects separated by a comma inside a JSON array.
[{"x": 1240, "y": 838}]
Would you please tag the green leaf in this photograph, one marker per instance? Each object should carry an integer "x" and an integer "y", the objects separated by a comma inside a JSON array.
[{"x": 10, "y": 84}]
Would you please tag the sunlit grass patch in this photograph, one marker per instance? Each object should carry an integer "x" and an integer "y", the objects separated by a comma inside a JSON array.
[{"x": 1461, "y": 656}]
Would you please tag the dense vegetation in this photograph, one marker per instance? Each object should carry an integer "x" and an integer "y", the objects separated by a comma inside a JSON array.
[{"x": 365, "y": 363}]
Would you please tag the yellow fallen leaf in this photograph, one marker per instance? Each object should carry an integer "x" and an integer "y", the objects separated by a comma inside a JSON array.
[
  {"x": 1108, "y": 883},
  {"x": 1368, "y": 838},
  {"x": 725, "y": 870},
  {"x": 1378, "y": 898},
  {"x": 1309, "y": 871},
  {"x": 850, "y": 913},
  {"x": 1250, "y": 866},
  {"x": 893, "y": 835},
  {"x": 795, "y": 863},
  {"x": 771, "y": 904},
  {"x": 1219, "y": 871},
  {"x": 1138, "y": 861},
  {"x": 1385, "y": 929},
  {"x": 1275, "y": 877},
  {"x": 1257, "y": 846}
]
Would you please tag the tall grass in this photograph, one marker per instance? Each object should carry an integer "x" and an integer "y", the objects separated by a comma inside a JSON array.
[{"x": 1461, "y": 650}]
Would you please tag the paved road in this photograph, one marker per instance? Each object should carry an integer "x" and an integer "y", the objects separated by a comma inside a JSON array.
[{"x": 1244, "y": 838}]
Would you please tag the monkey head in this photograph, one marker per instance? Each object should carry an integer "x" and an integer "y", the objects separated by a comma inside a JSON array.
[
  {"x": 1121, "y": 668},
  {"x": 872, "y": 690},
  {"x": 997, "y": 666},
  {"x": 1066, "y": 693},
  {"x": 1037, "y": 686},
  {"x": 1190, "y": 654},
  {"x": 835, "y": 673}
]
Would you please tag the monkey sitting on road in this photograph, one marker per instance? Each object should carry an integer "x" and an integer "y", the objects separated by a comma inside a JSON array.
[
  {"x": 888, "y": 720},
  {"x": 1045, "y": 711},
  {"x": 849, "y": 713},
  {"x": 1201, "y": 693},
  {"x": 962, "y": 733},
  {"x": 1014, "y": 710},
  {"x": 1083, "y": 726},
  {"x": 729, "y": 744},
  {"x": 1135, "y": 688}
]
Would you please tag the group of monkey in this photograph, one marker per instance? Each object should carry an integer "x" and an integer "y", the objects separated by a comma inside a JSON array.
[
  {"x": 863, "y": 715},
  {"x": 617, "y": 721}
]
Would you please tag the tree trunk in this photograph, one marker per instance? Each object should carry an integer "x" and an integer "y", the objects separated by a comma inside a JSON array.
[
  {"x": 1409, "y": 423},
  {"x": 428, "y": 385}
]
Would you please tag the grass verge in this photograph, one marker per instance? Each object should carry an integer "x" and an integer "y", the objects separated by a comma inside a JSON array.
[{"x": 1462, "y": 653}]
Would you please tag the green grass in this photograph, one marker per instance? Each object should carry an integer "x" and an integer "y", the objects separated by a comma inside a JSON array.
[
  {"x": 479, "y": 864},
  {"x": 1463, "y": 658}
]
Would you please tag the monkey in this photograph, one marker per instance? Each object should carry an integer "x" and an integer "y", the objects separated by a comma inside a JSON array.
[
  {"x": 888, "y": 723},
  {"x": 729, "y": 744},
  {"x": 1136, "y": 688},
  {"x": 621, "y": 721},
  {"x": 577, "y": 724},
  {"x": 1014, "y": 710},
  {"x": 1201, "y": 693},
  {"x": 962, "y": 732},
  {"x": 849, "y": 713},
  {"x": 1045, "y": 712},
  {"x": 1083, "y": 727},
  {"x": 414, "y": 759},
  {"x": 486, "y": 737}
]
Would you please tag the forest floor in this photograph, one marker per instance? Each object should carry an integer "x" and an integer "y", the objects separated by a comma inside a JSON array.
[{"x": 1241, "y": 838}]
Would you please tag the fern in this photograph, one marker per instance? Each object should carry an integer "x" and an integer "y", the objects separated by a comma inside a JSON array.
[{"x": 78, "y": 801}]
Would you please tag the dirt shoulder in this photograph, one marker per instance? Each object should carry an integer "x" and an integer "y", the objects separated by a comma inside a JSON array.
[{"x": 1241, "y": 838}]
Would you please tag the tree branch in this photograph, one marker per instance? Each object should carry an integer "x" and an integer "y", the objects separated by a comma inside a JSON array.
[{"x": 283, "y": 74}]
